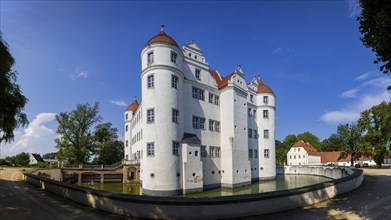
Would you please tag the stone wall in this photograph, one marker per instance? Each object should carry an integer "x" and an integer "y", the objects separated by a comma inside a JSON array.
[{"x": 210, "y": 208}]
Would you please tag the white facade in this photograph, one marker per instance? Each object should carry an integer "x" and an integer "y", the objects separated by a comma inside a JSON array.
[
  {"x": 195, "y": 129},
  {"x": 299, "y": 156}
]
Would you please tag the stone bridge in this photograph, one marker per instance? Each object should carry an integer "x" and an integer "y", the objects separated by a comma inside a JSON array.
[{"x": 123, "y": 171}]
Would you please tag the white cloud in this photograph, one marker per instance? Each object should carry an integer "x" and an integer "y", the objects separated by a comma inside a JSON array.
[
  {"x": 79, "y": 73},
  {"x": 279, "y": 50},
  {"x": 363, "y": 76},
  {"x": 118, "y": 102},
  {"x": 354, "y": 9},
  {"x": 37, "y": 137},
  {"x": 352, "y": 113},
  {"x": 380, "y": 82}
]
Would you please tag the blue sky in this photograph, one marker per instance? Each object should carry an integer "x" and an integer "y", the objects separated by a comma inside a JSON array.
[{"x": 308, "y": 52}]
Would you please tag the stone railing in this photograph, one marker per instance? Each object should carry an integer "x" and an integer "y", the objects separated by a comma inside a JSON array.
[{"x": 345, "y": 180}]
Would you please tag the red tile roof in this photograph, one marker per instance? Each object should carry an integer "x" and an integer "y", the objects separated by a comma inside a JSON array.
[
  {"x": 162, "y": 37},
  {"x": 262, "y": 88},
  {"x": 221, "y": 81},
  {"x": 133, "y": 107},
  {"x": 307, "y": 147},
  {"x": 334, "y": 155}
]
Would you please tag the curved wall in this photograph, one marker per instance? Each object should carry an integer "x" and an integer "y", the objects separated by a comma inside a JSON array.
[{"x": 210, "y": 208}]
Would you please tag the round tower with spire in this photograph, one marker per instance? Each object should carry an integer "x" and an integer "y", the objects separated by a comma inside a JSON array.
[{"x": 162, "y": 102}]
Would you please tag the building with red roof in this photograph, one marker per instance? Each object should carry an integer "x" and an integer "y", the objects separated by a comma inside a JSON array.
[{"x": 195, "y": 128}]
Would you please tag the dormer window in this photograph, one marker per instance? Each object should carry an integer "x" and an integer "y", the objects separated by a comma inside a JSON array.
[
  {"x": 198, "y": 74},
  {"x": 174, "y": 57},
  {"x": 150, "y": 57}
]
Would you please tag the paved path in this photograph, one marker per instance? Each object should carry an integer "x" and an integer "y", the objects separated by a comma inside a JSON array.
[{"x": 20, "y": 200}]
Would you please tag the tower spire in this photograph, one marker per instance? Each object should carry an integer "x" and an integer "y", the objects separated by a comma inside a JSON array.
[{"x": 162, "y": 27}]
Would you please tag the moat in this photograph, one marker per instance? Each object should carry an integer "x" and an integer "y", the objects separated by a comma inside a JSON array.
[{"x": 282, "y": 182}]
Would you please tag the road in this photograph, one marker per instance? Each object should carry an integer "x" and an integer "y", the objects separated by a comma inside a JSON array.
[{"x": 20, "y": 200}]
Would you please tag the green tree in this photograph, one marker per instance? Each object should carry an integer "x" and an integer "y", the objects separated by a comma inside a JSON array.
[
  {"x": 310, "y": 138},
  {"x": 281, "y": 152},
  {"x": 376, "y": 126},
  {"x": 290, "y": 140},
  {"x": 375, "y": 26},
  {"x": 12, "y": 99},
  {"x": 49, "y": 155},
  {"x": 22, "y": 159},
  {"x": 350, "y": 135},
  {"x": 108, "y": 148},
  {"x": 333, "y": 143},
  {"x": 76, "y": 142}
]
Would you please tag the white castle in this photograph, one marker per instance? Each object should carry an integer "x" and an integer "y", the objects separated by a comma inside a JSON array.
[{"x": 195, "y": 129}]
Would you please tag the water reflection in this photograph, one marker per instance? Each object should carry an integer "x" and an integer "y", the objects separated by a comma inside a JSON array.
[{"x": 282, "y": 182}]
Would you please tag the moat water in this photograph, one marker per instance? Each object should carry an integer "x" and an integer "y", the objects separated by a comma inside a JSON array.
[{"x": 282, "y": 182}]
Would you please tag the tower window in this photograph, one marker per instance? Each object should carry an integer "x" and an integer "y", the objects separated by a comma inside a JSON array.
[
  {"x": 127, "y": 143},
  {"x": 266, "y": 100},
  {"x": 266, "y": 114},
  {"x": 150, "y": 149},
  {"x": 255, "y": 113},
  {"x": 211, "y": 125},
  {"x": 255, "y": 153},
  {"x": 250, "y": 133},
  {"x": 150, "y": 81},
  {"x": 174, "y": 57},
  {"x": 150, "y": 115},
  {"x": 126, "y": 128},
  {"x": 266, "y": 133},
  {"x": 211, "y": 97},
  {"x": 266, "y": 153},
  {"x": 198, "y": 122},
  {"x": 214, "y": 151},
  {"x": 198, "y": 74},
  {"x": 217, "y": 100},
  {"x": 251, "y": 98},
  {"x": 250, "y": 153},
  {"x": 175, "y": 114},
  {"x": 217, "y": 126},
  {"x": 175, "y": 148},
  {"x": 255, "y": 134},
  {"x": 150, "y": 57},
  {"x": 174, "y": 82},
  {"x": 198, "y": 93}
]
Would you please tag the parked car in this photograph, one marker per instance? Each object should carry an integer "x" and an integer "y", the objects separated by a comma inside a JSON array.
[
  {"x": 365, "y": 165},
  {"x": 357, "y": 165}
]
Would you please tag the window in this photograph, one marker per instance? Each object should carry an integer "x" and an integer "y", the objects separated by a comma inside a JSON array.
[
  {"x": 266, "y": 100},
  {"x": 266, "y": 134},
  {"x": 127, "y": 157},
  {"x": 203, "y": 151},
  {"x": 211, "y": 97},
  {"x": 150, "y": 81},
  {"x": 198, "y": 74},
  {"x": 217, "y": 100},
  {"x": 175, "y": 114},
  {"x": 174, "y": 57},
  {"x": 126, "y": 128},
  {"x": 150, "y": 149},
  {"x": 299, "y": 156},
  {"x": 249, "y": 111},
  {"x": 217, "y": 126},
  {"x": 174, "y": 82},
  {"x": 198, "y": 122},
  {"x": 298, "y": 149},
  {"x": 251, "y": 98},
  {"x": 255, "y": 113},
  {"x": 250, "y": 153},
  {"x": 265, "y": 113},
  {"x": 266, "y": 153},
  {"x": 175, "y": 148},
  {"x": 150, "y": 115},
  {"x": 304, "y": 156},
  {"x": 255, "y": 153},
  {"x": 214, "y": 151},
  {"x": 150, "y": 57},
  {"x": 250, "y": 133},
  {"x": 198, "y": 93},
  {"x": 126, "y": 116},
  {"x": 127, "y": 143},
  {"x": 211, "y": 125}
]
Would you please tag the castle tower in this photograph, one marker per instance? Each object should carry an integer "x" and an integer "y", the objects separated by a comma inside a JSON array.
[
  {"x": 266, "y": 111},
  {"x": 128, "y": 116},
  {"x": 162, "y": 102}
]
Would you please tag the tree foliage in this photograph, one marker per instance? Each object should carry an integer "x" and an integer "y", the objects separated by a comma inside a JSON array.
[
  {"x": 375, "y": 26},
  {"x": 376, "y": 126},
  {"x": 49, "y": 155},
  {"x": 108, "y": 148},
  {"x": 350, "y": 135},
  {"x": 76, "y": 144},
  {"x": 310, "y": 138},
  {"x": 12, "y": 99},
  {"x": 21, "y": 159},
  {"x": 333, "y": 143}
]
